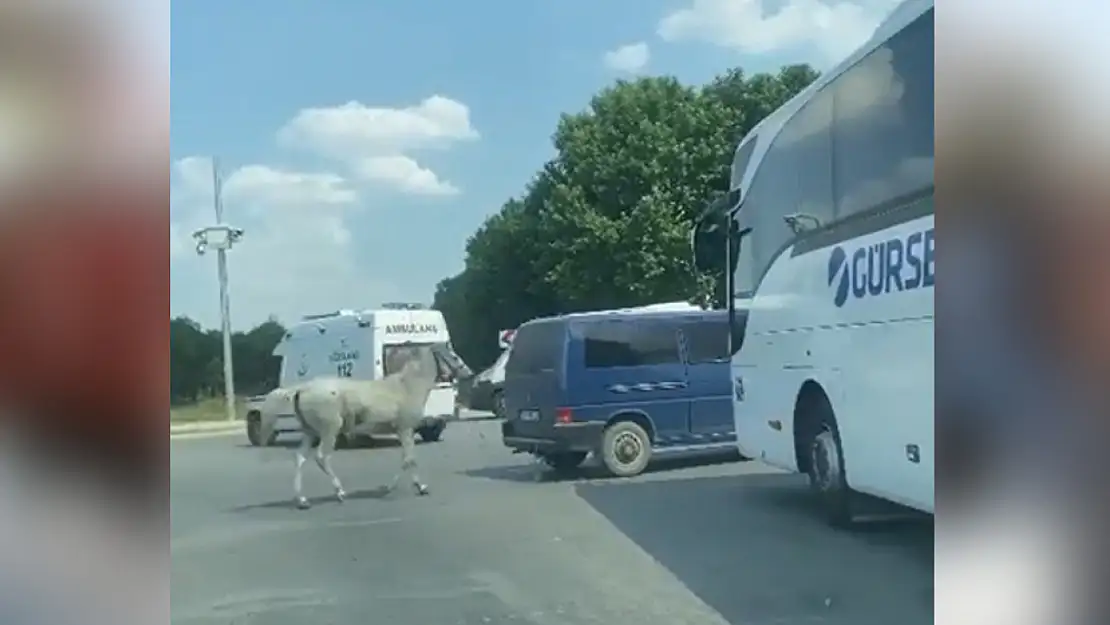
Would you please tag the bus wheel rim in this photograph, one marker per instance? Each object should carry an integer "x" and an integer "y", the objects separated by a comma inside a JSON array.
[{"x": 826, "y": 461}]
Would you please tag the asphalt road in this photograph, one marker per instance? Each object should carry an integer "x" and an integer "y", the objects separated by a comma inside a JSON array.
[{"x": 693, "y": 543}]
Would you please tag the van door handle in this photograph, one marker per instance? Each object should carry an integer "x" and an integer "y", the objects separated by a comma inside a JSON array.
[{"x": 646, "y": 386}]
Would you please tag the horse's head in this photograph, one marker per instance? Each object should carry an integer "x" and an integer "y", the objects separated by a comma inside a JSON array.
[
  {"x": 450, "y": 365},
  {"x": 431, "y": 363},
  {"x": 436, "y": 362}
]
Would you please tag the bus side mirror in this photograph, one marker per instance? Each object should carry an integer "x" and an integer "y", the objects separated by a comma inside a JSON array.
[
  {"x": 735, "y": 236},
  {"x": 708, "y": 235},
  {"x": 738, "y": 324},
  {"x": 708, "y": 249}
]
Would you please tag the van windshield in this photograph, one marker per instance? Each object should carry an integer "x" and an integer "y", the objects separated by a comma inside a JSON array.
[{"x": 536, "y": 348}]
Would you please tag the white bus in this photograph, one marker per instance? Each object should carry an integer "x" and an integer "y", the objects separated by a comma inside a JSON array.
[
  {"x": 831, "y": 237},
  {"x": 361, "y": 345}
]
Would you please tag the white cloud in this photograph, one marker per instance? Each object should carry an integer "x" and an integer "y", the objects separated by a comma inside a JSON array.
[
  {"x": 834, "y": 27},
  {"x": 356, "y": 134},
  {"x": 297, "y": 255},
  {"x": 630, "y": 58},
  {"x": 261, "y": 186},
  {"x": 354, "y": 129},
  {"x": 194, "y": 174},
  {"x": 404, "y": 174},
  {"x": 276, "y": 187}
]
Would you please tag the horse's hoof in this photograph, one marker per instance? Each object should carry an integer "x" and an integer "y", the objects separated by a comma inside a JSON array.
[
  {"x": 340, "y": 496},
  {"x": 422, "y": 489},
  {"x": 303, "y": 503}
]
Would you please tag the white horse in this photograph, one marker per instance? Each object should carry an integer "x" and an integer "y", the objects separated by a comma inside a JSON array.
[{"x": 327, "y": 406}]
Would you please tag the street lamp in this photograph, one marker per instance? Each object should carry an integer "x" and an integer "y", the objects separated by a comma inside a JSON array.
[{"x": 221, "y": 237}]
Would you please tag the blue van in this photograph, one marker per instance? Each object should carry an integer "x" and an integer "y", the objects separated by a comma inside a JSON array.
[{"x": 625, "y": 385}]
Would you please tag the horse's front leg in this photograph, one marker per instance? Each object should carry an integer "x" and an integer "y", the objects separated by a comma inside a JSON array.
[
  {"x": 407, "y": 438},
  {"x": 303, "y": 449}
]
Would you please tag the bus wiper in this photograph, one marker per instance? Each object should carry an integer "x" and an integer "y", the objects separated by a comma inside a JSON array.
[{"x": 802, "y": 222}]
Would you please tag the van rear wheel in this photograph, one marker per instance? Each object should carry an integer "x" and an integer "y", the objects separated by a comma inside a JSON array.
[
  {"x": 253, "y": 426},
  {"x": 254, "y": 431},
  {"x": 625, "y": 449}
]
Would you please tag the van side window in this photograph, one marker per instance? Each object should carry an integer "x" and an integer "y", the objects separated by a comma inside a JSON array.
[
  {"x": 536, "y": 348},
  {"x": 706, "y": 341},
  {"x": 630, "y": 344}
]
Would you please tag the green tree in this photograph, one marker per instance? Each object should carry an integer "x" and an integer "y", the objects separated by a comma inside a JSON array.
[
  {"x": 606, "y": 222},
  {"x": 507, "y": 277},
  {"x": 196, "y": 360},
  {"x": 189, "y": 354},
  {"x": 256, "y": 367}
]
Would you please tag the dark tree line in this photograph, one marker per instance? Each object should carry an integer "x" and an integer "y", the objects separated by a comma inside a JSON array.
[{"x": 196, "y": 360}]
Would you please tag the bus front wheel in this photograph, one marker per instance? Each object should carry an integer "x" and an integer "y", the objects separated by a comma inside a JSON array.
[{"x": 826, "y": 473}]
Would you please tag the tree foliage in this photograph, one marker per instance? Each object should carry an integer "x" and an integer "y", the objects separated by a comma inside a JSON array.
[
  {"x": 196, "y": 360},
  {"x": 606, "y": 222}
]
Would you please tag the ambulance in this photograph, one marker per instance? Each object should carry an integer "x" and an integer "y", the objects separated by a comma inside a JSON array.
[{"x": 359, "y": 345}]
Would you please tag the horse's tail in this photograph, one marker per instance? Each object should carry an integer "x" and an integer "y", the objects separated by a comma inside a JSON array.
[{"x": 306, "y": 429}]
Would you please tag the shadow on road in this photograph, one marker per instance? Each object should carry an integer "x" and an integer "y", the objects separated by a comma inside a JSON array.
[
  {"x": 539, "y": 472},
  {"x": 359, "y": 443},
  {"x": 374, "y": 493},
  {"x": 754, "y": 548}
]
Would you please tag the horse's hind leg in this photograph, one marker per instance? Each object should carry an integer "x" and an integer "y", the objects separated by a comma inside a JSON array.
[
  {"x": 323, "y": 460},
  {"x": 298, "y": 478}
]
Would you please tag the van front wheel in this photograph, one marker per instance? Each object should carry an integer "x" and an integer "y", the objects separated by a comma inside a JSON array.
[
  {"x": 625, "y": 449},
  {"x": 432, "y": 433},
  {"x": 499, "y": 404}
]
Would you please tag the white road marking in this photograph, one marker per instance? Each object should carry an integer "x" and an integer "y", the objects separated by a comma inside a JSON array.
[{"x": 193, "y": 435}]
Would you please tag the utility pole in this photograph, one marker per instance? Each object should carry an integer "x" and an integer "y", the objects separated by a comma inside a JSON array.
[{"x": 221, "y": 237}]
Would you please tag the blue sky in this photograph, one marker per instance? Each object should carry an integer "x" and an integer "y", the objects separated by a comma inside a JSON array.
[{"x": 361, "y": 142}]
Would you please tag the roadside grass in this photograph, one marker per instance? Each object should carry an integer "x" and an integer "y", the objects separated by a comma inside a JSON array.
[{"x": 209, "y": 409}]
